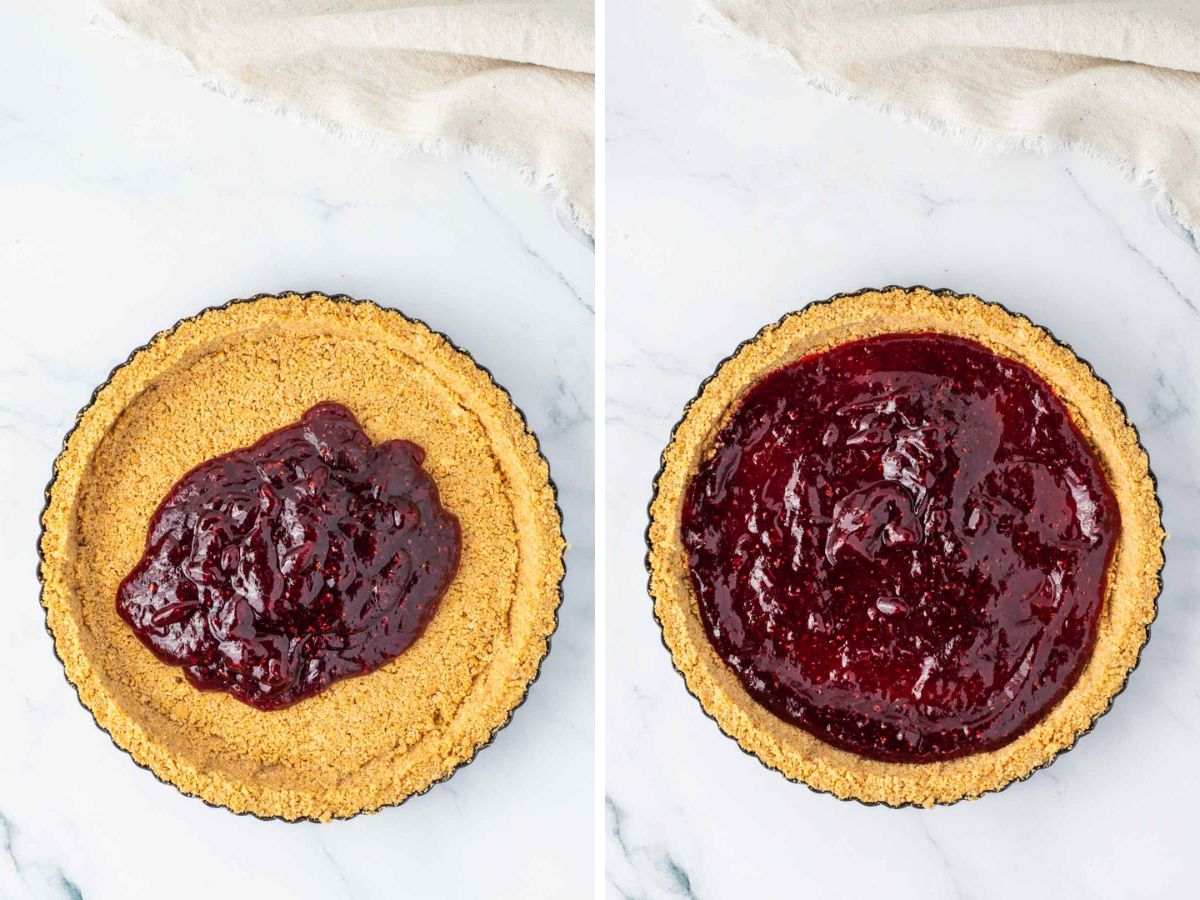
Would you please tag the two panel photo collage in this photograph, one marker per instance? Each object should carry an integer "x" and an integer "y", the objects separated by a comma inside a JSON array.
[{"x": 617, "y": 449}]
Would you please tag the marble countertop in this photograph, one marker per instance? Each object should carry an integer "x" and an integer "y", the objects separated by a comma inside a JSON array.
[
  {"x": 735, "y": 194},
  {"x": 130, "y": 196}
]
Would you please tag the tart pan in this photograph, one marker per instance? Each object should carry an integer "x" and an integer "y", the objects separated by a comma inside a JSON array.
[
  {"x": 787, "y": 749},
  {"x": 366, "y": 742}
]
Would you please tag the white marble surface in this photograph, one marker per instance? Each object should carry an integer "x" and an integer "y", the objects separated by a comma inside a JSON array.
[
  {"x": 129, "y": 197},
  {"x": 736, "y": 194}
]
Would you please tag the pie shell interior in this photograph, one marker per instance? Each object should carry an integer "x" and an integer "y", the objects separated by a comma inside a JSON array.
[
  {"x": 1133, "y": 576},
  {"x": 218, "y": 382}
]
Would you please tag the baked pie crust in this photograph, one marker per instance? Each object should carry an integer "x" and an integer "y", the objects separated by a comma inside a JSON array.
[
  {"x": 1133, "y": 574},
  {"x": 219, "y": 381}
]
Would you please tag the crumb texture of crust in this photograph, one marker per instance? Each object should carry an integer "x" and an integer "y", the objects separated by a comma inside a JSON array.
[
  {"x": 219, "y": 381},
  {"x": 1133, "y": 575}
]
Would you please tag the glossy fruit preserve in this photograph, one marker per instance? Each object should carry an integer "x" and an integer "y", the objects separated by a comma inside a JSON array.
[
  {"x": 901, "y": 546},
  {"x": 273, "y": 571}
]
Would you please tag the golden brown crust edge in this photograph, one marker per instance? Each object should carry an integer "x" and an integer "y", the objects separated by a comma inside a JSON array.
[
  {"x": 1134, "y": 574},
  {"x": 537, "y": 520}
]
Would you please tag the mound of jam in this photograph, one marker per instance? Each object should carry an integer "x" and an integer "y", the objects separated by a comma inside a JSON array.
[
  {"x": 901, "y": 545},
  {"x": 273, "y": 571}
]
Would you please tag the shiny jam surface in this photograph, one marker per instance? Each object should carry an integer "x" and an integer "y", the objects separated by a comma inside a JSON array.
[
  {"x": 313, "y": 555},
  {"x": 900, "y": 545}
]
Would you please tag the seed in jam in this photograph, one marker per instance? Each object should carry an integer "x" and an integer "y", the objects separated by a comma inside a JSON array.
[
  {"x": 901, "y": 546},
  {"x": 273, "y": 571}
]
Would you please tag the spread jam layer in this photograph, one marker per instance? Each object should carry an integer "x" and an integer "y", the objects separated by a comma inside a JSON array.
[
  {"x": 313, "y": 555},
  {"x": 901, "y": 545}
]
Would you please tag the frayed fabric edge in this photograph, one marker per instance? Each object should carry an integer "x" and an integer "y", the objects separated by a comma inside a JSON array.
[
  {"x": 969, "y": 136},
  {"x": 106, "y": 20}
]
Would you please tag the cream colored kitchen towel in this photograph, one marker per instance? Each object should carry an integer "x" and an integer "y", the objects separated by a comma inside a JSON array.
[
  {"x": 1118, "y": 80},
  {"x": 511, "y": 81}
]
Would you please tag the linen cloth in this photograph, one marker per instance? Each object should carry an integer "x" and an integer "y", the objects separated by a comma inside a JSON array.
[
  {"x": 1118, "y": 80},
  {"x": 511, "y": 81}
]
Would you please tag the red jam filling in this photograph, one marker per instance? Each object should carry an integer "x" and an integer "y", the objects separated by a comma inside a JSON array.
[
  {"x": 273, "y": 571},
  {"x": 900, "y": 545}
]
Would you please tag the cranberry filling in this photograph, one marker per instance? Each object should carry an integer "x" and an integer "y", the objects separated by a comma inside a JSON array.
[
  {"x": 901, "y": 546},
  {"x": 273, "y": 571}
]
